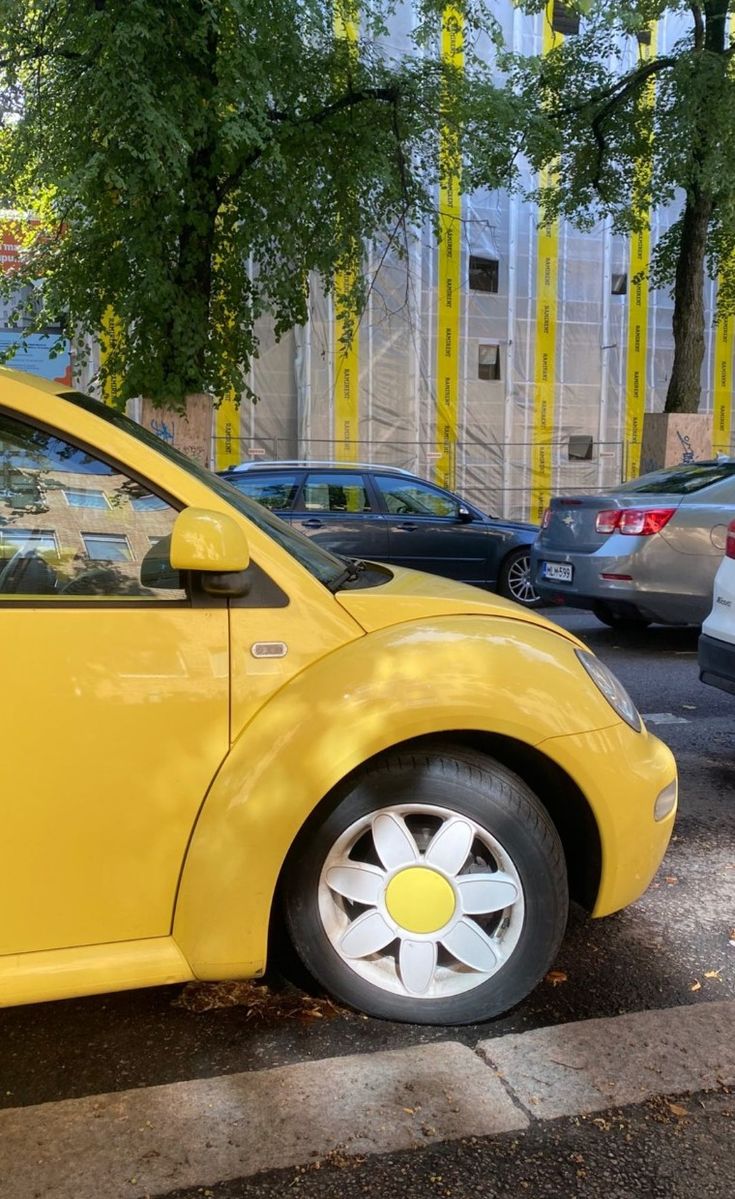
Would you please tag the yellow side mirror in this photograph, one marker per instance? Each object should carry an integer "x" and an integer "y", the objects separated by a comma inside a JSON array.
[{"x": 208, "y": 541}]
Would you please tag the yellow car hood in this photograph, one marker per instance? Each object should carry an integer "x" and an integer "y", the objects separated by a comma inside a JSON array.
[{"x": 411, "y": 595}]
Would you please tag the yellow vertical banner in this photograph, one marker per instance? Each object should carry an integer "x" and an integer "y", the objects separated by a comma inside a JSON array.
[
  {"x": 346, "y": 320},
  {"x": 449, "y": 288},
  {"x": 227, "y": 432},
  {"x": 638, "y": 264},
  {"x": 723, "y": 372},
  {"x": 547, "y": 284},
  {"x": 722, "y": 407},
  {"x": 110, "y": 338}
]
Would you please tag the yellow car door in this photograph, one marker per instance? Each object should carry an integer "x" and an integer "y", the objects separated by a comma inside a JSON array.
[{"x": 115, "y": 697}]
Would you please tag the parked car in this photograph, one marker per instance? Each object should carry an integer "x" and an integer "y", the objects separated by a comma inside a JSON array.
[
  {"x": 717, "y": 642},
  {"x": 645, "y": 551},
  {"x": 388, "y": 515},
  {"x": 211, "y": 723}
]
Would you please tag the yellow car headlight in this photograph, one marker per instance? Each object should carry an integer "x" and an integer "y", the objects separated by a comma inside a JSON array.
[{"x": 611, "y": 688}]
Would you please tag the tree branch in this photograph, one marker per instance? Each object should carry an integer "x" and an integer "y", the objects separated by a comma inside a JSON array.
[
  {"x": 40, "y": 52},
  {"x": 620, "y": 89},
  {"x": 352, "y": 98},
  {"x": 699, "y": 31}
]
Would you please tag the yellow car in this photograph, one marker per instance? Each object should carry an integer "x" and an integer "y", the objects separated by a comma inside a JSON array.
[{"x": 208, "y": 721}]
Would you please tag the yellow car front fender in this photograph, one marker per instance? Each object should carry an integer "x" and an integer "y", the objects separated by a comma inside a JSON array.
[{"x": 409, "y": 680}]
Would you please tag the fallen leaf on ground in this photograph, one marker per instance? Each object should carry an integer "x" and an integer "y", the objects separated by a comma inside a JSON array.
[
  {"x": 555, "y": 977},
  {"x": 670, "y": 878},
  {"x": 696, "y": 985},
  {"x": 260, "y": 1002},
  {"x": 712, "y": 973},
  {"x": 676, "y": 1109}
]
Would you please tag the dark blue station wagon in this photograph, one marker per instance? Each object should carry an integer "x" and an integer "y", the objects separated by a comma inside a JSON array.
[{"x": 383, "y": 514}]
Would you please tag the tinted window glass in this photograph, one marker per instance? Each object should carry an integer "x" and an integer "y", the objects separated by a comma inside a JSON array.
[
  {"x": 275, "y": 492},
  {"x": 338, "y": 492},
  {"x": 407, "y": 497},
  {"x": 72, "y": 525},
  {"x": 680, "y": 480}
]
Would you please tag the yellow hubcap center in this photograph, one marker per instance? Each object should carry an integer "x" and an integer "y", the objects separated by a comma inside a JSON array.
[{"x": 419, "y": 899}]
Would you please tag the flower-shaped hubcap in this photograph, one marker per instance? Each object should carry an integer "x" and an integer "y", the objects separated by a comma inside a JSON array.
[{"x": 422, "y": 910}]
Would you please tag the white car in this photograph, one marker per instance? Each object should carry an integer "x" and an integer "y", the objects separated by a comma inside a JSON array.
[{"x": 717, "y": 642}]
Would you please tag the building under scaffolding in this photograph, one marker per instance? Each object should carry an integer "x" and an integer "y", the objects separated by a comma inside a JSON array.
[
  {"x": 507, "y": 361},
  {"x": 556, "y": 350}
]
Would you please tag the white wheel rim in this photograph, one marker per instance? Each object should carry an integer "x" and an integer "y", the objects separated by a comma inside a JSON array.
[{"x": 360, "y": 889}]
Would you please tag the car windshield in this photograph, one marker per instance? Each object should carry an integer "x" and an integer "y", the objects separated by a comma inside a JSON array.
[
  {"x": 328, "y": 568},
  {"x": 679, "y": 480}
]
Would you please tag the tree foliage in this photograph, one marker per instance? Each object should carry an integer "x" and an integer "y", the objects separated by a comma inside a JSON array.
[
  {"x": 629, "y": 130},
  {"x": 164, "y": 147}
]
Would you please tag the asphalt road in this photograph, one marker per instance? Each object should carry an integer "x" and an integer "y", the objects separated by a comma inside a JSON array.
[{"x": 672, "y": 948}]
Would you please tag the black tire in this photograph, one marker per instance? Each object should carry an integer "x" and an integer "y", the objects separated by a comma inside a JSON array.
[
  {"x": 514, "y": 579},
  {"x": 468, "y": 784},
  {"x": 628, "y": 623}
]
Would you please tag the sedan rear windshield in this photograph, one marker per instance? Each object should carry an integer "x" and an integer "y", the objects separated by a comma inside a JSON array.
[{"x": 679, "y": 480}]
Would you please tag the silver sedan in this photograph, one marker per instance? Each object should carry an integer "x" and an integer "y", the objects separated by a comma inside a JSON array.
[{"x": 645, "y": 551}]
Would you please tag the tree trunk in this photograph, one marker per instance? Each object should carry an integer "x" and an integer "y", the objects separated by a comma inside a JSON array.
[{"x": 688, "y": 321}]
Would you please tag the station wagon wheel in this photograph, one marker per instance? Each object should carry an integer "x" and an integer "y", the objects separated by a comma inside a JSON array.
[
  {"x": 514, "y": 581},
  {"x": 434, "y": 891}
]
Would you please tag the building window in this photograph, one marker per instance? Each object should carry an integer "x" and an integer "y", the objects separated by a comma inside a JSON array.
[
  {"x": 619, "y": 284},
  {"x": 483, "y": 274},
  {"x": 148, "y": 503},
  {"x": 563, "y": 20},
  {"x": 488, "y": 362},
  {"x": 80, "y": 497},
  {"x": 40, "y": 540},
  {"x": 580, "y": 447},
  {"x": 107, "y": 547}
]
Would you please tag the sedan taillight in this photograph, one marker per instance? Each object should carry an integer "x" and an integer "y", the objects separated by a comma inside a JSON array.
[
  {"x": 545, "y": 519},
  {"x": 730, "y": 546},
  {"x": 636, "y": 522},
  {"x": 642, "y": 522},
  {"x": 607, "y": 522}
]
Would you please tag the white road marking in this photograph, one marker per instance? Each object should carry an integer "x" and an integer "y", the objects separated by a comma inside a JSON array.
[
  {"x": 155, "y": 1140},
  {"x": 664, "y": 718}
]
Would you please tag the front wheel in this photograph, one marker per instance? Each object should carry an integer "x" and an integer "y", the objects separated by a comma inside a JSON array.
[
  {"x": 434, "y": 891},
  {"x": 514, "y": 580}
]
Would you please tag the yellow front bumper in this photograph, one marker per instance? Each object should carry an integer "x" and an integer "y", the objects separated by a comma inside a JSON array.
[{"x": 621, "y": 773}]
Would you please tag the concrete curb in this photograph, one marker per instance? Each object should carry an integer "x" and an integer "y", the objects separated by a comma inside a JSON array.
[
  {"x": 154, "y": 1140},
  {"x": 571, "y": 1069}
]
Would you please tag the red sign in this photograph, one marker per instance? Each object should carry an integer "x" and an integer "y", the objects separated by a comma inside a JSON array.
[{"x": 9, "y": 248}]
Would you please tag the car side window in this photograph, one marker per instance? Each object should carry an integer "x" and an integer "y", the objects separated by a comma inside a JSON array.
[
  {"x": 406, "y": 497},
  {"x": 74, "y": 526},
  {"x": 337, "y": 492},
  {"x": 275, "y": 492}
]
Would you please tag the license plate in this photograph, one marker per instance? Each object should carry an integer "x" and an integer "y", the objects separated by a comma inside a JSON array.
[{"x": 560, "y": 572}]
